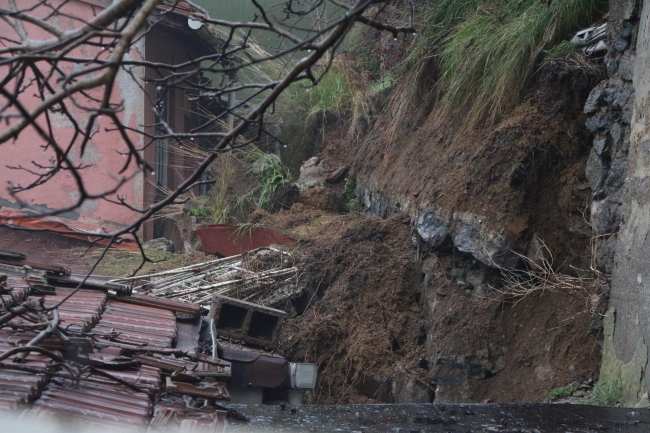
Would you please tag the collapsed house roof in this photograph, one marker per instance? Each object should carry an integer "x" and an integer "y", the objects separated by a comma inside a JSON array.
[
  {"x": 95, "y": 356},
  {"x": 107, "y": 352}
]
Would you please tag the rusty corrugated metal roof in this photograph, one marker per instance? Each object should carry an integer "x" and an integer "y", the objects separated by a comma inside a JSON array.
[
  {"x": 10, "y": 339},
  {"x": 178, "y": 418},
  {"x": 108, "y": 402},
  {"x": 102, "y": 398},
  {"x": 82, "y": 310},
  {"x": 18, "y": 388},
  {"x": 179, "y": 308},
  {"x": 138, "y": 324}
]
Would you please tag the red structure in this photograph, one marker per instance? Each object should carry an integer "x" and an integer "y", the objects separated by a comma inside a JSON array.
[{"x": 226, "y": 240}]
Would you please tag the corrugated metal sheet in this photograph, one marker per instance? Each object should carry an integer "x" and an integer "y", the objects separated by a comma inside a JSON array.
[
  {"x": 101, "y": 401},
  {"x": 18, "y": 288},
  {"x": 138, "y": 324},
  {"x": 210, "y": 390},
  {"x": 8, "y": 340},
  {"x": 168, "y": 364},
  {"x": 18, "y": 388},
  {"x": 145, "y": 377},
  {"x": 95, "y": 400},
  {"x": 82, "y": 311},
  {"x": 182, "y": 309},
  {"x": 225, "y": 240}
]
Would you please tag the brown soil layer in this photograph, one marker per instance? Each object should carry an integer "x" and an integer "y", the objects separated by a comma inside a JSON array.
[
  {"x": 373, "y": 316},
  {"x": 385, "y": 327},
  {"x": 524, "y": 175},
  {"x": 542, "y": 341}
]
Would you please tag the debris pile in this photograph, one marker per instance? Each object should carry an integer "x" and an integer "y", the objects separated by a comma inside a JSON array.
[
  {"x": 93, "y": 352},
  {"x": 76, "y": 349},
  {"x": 264, "y": 276}
]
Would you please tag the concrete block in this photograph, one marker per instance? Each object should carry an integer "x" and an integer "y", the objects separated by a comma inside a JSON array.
[{"x": 245, "y": 321}]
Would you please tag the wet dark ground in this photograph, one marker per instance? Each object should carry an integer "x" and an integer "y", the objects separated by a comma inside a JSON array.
[{"x": 420, "y": 418}]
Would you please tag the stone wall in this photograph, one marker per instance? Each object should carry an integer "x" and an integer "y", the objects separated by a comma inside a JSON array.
[
  {"x": 622, "y": 190},
  {"x": 611, "y": 105}
]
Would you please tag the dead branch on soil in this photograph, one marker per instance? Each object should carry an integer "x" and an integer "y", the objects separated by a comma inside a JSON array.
[{"x": 540, "y": 275}]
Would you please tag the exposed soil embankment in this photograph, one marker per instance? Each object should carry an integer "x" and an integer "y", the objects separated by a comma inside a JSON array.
[
  {"x": 385, "y": 327},
  {"x": 387, "y": 321},
  {"x": 523, "y": 175},
  {"x": 361, "y": 311}
]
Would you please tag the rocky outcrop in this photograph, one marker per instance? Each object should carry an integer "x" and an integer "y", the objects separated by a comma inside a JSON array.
[
  {"x": 621, "y": 213},
  {"x": 610, "y": 106},
  {"x": 436, "y": 227}
]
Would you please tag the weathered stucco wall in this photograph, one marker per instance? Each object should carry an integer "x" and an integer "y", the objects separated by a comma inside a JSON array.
[
  {"x": 627, "y": 326},
  {"x": 102, "y": 153}
]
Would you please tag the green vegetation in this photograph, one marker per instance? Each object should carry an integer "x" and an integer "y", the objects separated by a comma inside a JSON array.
[
  {"x": 471, "y": 59},
  {"x": 244, "y": 180},
  {"x": 561, "y": 392},
  {"x": 490, "y": 56},
  {"x": 608, "y": 393},
  {"x": 333, "y": 94},
  {"x": 305, "y": 110},
  {"x": 562, "y": 51},
  {"x": 569, "y": 55},
  {"x": 270, "y": 173},
  {"x": 349, "y": 195}
]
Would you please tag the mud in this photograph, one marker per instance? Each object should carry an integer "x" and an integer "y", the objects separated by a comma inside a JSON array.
[{"x": 385, "y": 325}]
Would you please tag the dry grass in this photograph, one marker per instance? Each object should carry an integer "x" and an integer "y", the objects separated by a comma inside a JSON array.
[
  {"x": 121, "y": 263},
  {"x": 541, "y": 275}
]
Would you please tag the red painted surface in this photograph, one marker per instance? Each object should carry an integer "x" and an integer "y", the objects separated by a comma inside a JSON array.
[
  {"x": 103, "y": 151},
  {"x": 225, "y": 240}
]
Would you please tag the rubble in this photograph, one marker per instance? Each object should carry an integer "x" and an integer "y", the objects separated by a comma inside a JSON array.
[
  {"x": 266, "y": 276},
  {"x": 93, "y": 353},
  {"x": 108, "y": 352}
]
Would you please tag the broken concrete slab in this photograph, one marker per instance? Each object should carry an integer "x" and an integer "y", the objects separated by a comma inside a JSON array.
[{"x": 245, "y": 321}]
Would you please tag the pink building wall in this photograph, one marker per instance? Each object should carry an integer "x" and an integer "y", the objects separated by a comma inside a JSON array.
[{"x": 103, "y": 150}]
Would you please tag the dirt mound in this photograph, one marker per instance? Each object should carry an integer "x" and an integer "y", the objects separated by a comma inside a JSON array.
[
  {"x": 360, "y": 313},
  {"x": 384, "y": 327}
]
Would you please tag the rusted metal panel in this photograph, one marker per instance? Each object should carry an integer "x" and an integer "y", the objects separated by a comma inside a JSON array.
[
  {"x": 138, "y": 324},
  {"x": 225, "y": 240},
  {"x": 34, "y": 360},
  {"x": 57, "y": 269},
  {"x": 167, "y": 364},
  {"x": 107, "y": 402},
  {"x": 19, "y": 388},
  {"x": 145, "y": 377},
  {"x": 93, "y": 284},
  {"x": 182, "y": 419},
  {"x": 81, "y": 311}
]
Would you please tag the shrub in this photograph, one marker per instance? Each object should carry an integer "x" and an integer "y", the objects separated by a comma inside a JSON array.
[
  {"x": 561, "y": 392},
  {"x": 608, "y": 393}
]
